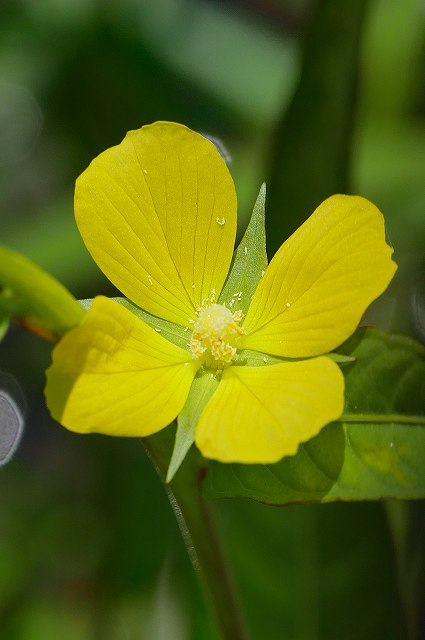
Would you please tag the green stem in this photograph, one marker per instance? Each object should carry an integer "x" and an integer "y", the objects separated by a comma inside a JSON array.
[
  {"x": 407, "y": 524},
  {"x": 199, "y": 534}
]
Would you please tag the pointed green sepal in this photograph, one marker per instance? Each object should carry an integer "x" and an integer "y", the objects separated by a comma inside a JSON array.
[
  {"x": 173, "y": 332},
  {"x": 201, "y": 391},
  {"x": 249, "y": 260}
]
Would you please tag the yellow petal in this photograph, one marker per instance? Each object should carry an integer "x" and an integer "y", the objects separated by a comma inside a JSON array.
[
  {"x": 321, "y": 281},
  {"x": 260, "y": 414},
  {"x": 114, "y": 374},
  {"x": 158, "y": 214}
]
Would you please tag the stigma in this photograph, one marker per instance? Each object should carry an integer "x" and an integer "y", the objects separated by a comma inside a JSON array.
[{"x": 215, "y": 335}]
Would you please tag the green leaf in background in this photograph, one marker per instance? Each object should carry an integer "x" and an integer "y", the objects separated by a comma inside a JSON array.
[
  {"x": 311, "y": 149},
  {"x": 34, "y": 298},
  {"x": 375, "y": 451}
]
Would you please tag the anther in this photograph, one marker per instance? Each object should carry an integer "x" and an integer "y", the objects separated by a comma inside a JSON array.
[{"x": 215, "y": 335}]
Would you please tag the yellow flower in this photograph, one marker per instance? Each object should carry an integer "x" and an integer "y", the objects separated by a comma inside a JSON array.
[{"x": 158, "y": 215}]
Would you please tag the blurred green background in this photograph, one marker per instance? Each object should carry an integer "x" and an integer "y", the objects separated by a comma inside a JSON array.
[{"x": 314, "y": 97}]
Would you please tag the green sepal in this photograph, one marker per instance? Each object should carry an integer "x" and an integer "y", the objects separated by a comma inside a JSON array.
[
  {"x": 203, "y": 387},
  {"x": 249, "y": 358},
  {"x": 340, "y": 358},
  {"x": 32, "y": 297},
  {"x": 173, "y": 332},
  {"x": 249, "y": 260},
  {"x": 376, "y": 450},
  {"x": 259, "y": 359}
]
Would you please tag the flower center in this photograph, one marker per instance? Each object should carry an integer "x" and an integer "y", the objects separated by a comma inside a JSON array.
[{"x": 215, "y": 335}]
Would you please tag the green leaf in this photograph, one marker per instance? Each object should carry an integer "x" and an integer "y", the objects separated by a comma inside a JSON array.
[
  {"x": 31, "y": 296},
  {"x": 375, "y": 451},
  {"x": 249, "y": 260}
]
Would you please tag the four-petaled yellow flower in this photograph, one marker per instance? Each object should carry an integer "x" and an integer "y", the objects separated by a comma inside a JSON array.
[{"x": 158, "y": 215}]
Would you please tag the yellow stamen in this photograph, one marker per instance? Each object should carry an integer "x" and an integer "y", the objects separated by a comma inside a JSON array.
[{"x": 215, "y": 334}]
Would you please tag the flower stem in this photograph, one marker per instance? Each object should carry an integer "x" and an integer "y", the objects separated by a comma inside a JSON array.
[{"x": 199, "y": 534}]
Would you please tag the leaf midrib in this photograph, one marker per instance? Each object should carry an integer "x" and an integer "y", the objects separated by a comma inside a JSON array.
[{"x": 382, "y": 418}]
